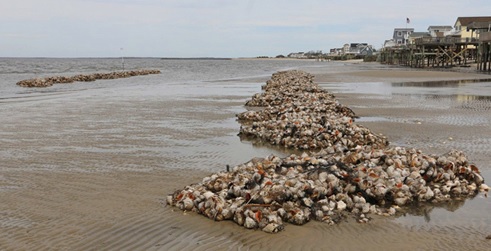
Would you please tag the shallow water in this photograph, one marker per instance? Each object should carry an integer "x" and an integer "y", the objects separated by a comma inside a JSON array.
[
  {"x": 182, "y": 118},
  {"x": 435, "y": 116},
  {"x": 459, "y": 90}
]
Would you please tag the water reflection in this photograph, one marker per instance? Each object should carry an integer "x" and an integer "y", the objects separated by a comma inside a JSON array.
[
  {"x": 424, "y": 210},
  {"x": 456, "y": 212},
  {"x": 371, "y": 119},
  {"x": 461, "y": 98},
  {"x": 461, "y": 91},
  {"x": 440, "y": 83},
  {"x": 278, "y": 150}
]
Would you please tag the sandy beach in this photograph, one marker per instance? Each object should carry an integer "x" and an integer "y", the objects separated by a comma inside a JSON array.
[{"x": 122, "y": 207}]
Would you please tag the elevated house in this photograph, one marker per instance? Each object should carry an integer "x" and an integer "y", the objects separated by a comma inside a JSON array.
[
  {"x": 440, "y": 30},
  {"x": 415, "y": 35},
  {"x": 480, "y": 30},
  {"x": 484, "y": 52},
  {"x": 467, "y": 27},
  {"x": 468, "y": 42},
  {"x": 401, "y": 35},
  {"x": 389, "y": 43}
]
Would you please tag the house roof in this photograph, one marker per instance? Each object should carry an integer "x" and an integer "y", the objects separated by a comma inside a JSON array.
[
  {"x": 464, "y": 21},
  {"x": 403, "y": 29},
  {"x": 419, "y": 34},
  {"x": 479, "y": 25},
  {"x": 440, "y": 27},
  {"x": 358, "y": 44}
]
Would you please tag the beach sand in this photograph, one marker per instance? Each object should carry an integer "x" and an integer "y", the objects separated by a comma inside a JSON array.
[{"x": 122, "y": 207}]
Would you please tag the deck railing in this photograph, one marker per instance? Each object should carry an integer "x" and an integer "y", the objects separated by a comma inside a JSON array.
[
  {"x": 485, "y": 37},
  {"x": 444, "y": 40}
]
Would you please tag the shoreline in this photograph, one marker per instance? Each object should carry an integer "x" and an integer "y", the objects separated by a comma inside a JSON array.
[{"x": 376, "y": 72}]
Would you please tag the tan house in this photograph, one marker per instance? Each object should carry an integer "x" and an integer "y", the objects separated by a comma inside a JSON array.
[{"x": 462, "y": 25}]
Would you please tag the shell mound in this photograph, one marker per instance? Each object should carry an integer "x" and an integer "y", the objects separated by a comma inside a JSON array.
[
  {"x": 354, "y": 174},
  {"x": 49, "y": 81},
  {"x": 265, "y": 193},
  {"x": 299, "y": 114}
]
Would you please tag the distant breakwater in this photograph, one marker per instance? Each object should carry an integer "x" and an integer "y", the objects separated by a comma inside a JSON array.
[{"x": 49, "y": 81}]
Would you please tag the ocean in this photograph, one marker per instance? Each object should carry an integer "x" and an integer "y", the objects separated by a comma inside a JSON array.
[{"x": 174, "y": 71}]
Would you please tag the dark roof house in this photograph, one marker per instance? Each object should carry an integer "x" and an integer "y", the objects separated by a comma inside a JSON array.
[
  {"x": 470, "y": 27},
  {"x": 465, "y": 21}
]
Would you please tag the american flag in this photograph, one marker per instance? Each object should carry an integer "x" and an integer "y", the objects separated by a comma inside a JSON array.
[{"x": 407, "y": 20}]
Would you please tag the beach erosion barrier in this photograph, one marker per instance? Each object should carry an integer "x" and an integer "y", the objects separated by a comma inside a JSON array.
[
  {"x": 345, "y": 170},
  {"x": 50, "y": 81}
]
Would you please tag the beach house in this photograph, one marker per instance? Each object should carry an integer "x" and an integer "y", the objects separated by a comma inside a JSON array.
[
  {"x": 415, "y": 35},
  {"x": 467, "y": 27},
  {"x": 401, "y": 35},
  {"x": 468, "y": 42},
  {"x": 440, "y": 30}
]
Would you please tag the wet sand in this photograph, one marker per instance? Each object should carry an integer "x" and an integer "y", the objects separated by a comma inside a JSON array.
[{"x": 90, "y": 175}]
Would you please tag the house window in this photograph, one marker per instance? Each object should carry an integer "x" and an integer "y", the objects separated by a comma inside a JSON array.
[{"x": 399, "y": 33}]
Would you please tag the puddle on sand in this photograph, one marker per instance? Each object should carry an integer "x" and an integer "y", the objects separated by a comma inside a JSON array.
[
  {"x": 461, "y": 103},
  {"x": 371, "y": 119},
  {"x": 457, "y": 90},
  {"x": 455, "y": 213},
  {"x": 441, "y": 83}
]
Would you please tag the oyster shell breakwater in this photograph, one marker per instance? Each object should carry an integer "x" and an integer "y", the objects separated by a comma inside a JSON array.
[
  {"x": 354, "y": 174},
  {"x": 299, "y": 114},
  {"x": 49, "y": 81}
]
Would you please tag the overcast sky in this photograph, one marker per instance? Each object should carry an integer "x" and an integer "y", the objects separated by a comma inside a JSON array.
[{"x": 211, "y": 28}]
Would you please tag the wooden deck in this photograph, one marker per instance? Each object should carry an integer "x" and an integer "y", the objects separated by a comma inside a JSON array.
[
  {"x": 484, "y": 52},
  {"x": 441, "y": 52}
]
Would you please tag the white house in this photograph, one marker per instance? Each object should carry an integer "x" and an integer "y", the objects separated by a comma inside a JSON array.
[{"x": 440, "y": 30}]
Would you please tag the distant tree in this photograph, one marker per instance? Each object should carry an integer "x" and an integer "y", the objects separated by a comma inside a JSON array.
[{"x": 280, "y": 56}]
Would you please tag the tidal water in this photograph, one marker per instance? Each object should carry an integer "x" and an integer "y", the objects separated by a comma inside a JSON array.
[
  {"x": 434, "y": 116},
  {"x": 183, "y": 72},
  {"x": 181, "y": 118},
  {"x": 185, "y": 116}
]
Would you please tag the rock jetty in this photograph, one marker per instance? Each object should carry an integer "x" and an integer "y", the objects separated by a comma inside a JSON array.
[
  {"x": 49, "y": 81},
  {"x": 354, "y": 172}
]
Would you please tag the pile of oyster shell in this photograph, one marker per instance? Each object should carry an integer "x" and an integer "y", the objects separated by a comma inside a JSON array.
[
  {"x": 49, "y": 81},
  {"x": 299, "y": 114},
  {"x": 354, "y": 173}
]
